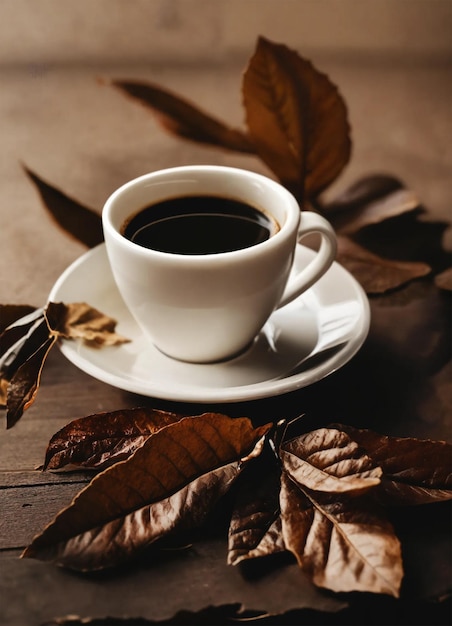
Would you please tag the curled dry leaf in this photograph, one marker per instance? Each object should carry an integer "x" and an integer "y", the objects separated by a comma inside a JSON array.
[
  {"x": 342, "y": 544},
  {"x": 329, "y": 460},
  {"x": 317, "y": 503},
  {"x": 105, "y": 438},
  {"x": 296, "y": 118},
  {"x": 170, "y": 482},
  {"x": 11, "y": 313},
  {"x": 78, "y": 320},
  {"x": 27, "y": 341},
  {"x": 338, "y": 536},
  {"x": 415, "y": 471},
  {"x": 183, "y": 118},
  {"x": 24, "y": 385},
  {"x": 24, "y": 347}
]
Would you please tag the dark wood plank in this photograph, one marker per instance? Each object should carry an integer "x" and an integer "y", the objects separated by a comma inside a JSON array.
[{"x": 29, "y": 501}]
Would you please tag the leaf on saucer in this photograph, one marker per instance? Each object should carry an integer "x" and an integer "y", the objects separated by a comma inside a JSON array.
[
  {"x": 376, "y": 274},
  {"x": 79, "y": 320},
  {"x": 415, "y": 471},
  {"x": 296, "y": 118},
  {"x": 79, "y": 221},
  {"x": 183, "y": 118},
  {"x": 105, "y": 438},
  {"x": 170, "y": 483},
  {"x": 26, "y": 342}
]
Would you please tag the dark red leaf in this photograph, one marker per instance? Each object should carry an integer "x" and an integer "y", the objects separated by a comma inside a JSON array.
[{"x": 105, "y": 438}]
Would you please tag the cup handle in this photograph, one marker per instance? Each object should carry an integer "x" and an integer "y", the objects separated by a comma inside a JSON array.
[{"x": 312, "y": 223}]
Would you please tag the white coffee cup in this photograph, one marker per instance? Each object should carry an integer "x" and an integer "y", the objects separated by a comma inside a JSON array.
[{"x": 209, "y": 307}]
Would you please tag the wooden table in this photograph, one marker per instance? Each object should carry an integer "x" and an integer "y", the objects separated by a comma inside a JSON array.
[{"x": 86, "y": 139}]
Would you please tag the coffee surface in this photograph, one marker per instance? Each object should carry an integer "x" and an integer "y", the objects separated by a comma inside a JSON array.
[{"x": 198, "y": 225}]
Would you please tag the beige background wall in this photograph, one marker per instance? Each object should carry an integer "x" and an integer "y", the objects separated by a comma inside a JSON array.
[{"x": 45, "y": 31}]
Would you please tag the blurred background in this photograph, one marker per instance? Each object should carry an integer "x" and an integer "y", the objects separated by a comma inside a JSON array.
[
  {"x": 59, "y": 115},
  {"x": 112, "y": 31}
]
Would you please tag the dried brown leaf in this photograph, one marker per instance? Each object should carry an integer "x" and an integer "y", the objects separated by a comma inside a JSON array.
[
  {"x": 343, "y": 544},
  {"x": 443, "y": 280},
  {"x": 170, "y": 482},
  {"x": 20, "y": 340},
  {"x": 415, "y": 471},
  {"x": 183, "y": 118},
  {"x": 27, "y": 341},
  {"x": 255, "y": 526},
  {"x": 79, "y": 221},
  {"x": 296, "y": 118},
  {"x": 105, "y": 438},
  {"x": 375, "y": 274},
  {"x": 328, "y": 460},
  {"x": 11, "y": 313},
  {"x": 24, "y": 384},
  {"x": 79, "y": 320},
  {"x": 373, "y": 210}
]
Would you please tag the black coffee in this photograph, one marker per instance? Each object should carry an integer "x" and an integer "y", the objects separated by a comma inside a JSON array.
[{"x": 198, "y": 225}]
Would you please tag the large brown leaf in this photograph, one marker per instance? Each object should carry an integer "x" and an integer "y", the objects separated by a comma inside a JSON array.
[
  {"x": 415, "y": 471},
  {"x": 81, "y": 222},
  {"x": 183, "y": 118},
  {"x": 104, "y": 438},
  {"x": 343, "y": 544},
  {"x": 296, "y": 118},
  {"x": 169, "y": 483}
]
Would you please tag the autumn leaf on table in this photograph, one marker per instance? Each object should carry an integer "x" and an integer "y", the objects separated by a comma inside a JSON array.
[
  {"x": 323, "y": 500},
  {"x": 169, "y": 483},
  {"x": 320, "y": 495},
  {"x": 27, "y": 340}
]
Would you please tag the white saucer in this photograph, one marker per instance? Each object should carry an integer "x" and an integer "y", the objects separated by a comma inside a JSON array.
[{"x": 301, "y": 344}]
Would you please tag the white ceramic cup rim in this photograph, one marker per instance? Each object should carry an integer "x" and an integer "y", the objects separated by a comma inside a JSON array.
[{"x": 289, "y": 206}]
